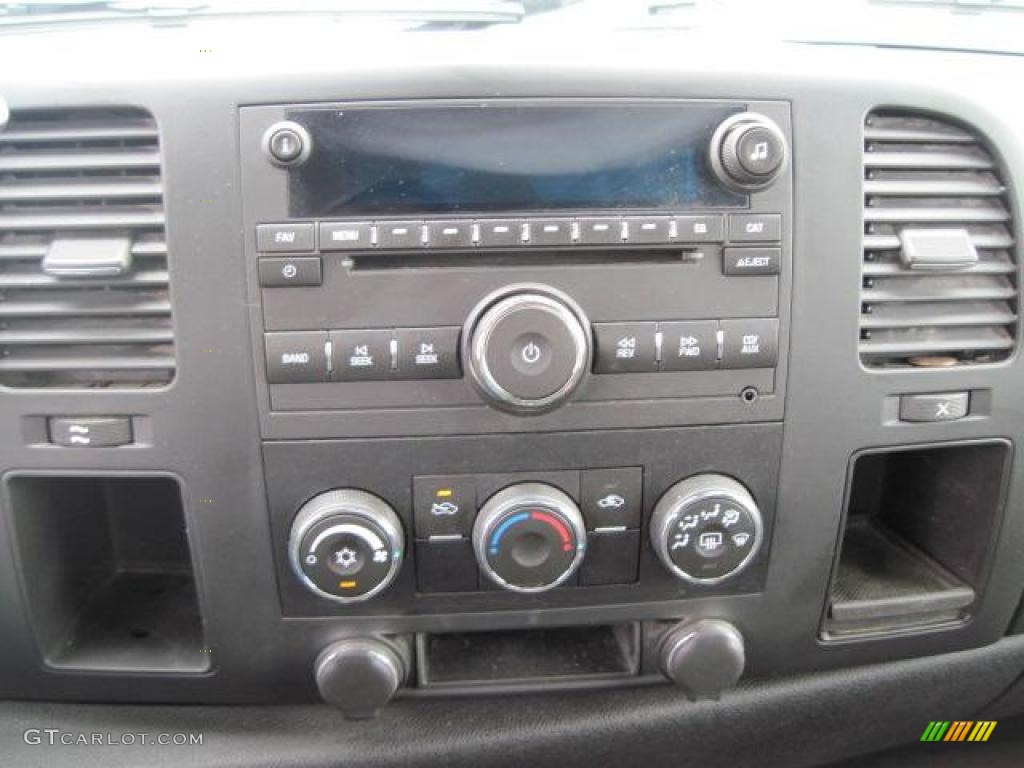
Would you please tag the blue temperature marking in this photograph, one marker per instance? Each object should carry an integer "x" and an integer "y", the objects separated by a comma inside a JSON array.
[{"x": 500, "y": 530}]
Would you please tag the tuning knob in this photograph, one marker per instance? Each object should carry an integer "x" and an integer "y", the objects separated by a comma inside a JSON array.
[
  {"x": 527, "y": 348},
  {"x": 346, "y": 545},
  {"x": 704, "y": 657},
  {"x": 359, "y": 675},
  {"x": 706, "y": 529},
  {"x": 748, "y": 152},
  {"x": 529, "y": 538}
]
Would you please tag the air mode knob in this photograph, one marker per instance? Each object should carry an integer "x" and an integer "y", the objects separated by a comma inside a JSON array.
[
  {"x": 706, "y": 529},
  {"x": 748, "y": 152},
  {"x": 346, "y": 545},
  {"x": 529, "y": 538},
  {"x": 527, "y": 348}
]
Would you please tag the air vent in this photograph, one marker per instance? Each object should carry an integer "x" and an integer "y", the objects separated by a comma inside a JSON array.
[
  {"x": 940, "y": 276},
  {"x": 84, "y": 298}
]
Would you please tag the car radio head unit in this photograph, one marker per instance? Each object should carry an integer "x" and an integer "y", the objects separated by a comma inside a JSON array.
[{"x": 451, "y": 266}]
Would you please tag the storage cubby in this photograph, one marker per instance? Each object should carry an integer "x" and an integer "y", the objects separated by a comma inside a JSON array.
[
  {"x": 106, "y": 572},
  {"x": 917, "y": 537}
]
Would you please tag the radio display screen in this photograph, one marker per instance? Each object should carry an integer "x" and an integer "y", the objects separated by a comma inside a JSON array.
[{"x": 513, "y": 157}]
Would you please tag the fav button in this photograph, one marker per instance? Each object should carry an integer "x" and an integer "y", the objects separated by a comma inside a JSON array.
[
  {"x": 271, "y": 238},
  {"x": 625, "y": 347},
  {"x": 360, "y": 355},
  {"x": 428, "y": 353}
]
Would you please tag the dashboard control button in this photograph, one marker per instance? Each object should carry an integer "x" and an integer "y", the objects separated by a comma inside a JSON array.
[
  {"x": 276, "y": 238},
  {"x": 359, "y": 675},
  {"x": 443, "y": 506},
  {"x": 643, "y": 229},
  {"x": 706, "y": 528},
  {"x": 750, "y": 343},
  {"x": 287, "y": 143},
  {"x": 361, "y": 355},
  {"x": 613, "y": 557},
  {"x": 346, "y": 545},
  {"x": 528, "y": 350},
  {"x": 612, "y": 498},
  {"x": 699, "y": 229},
  {"x": 276, "y": 272},
  {"x": 550, "y": 232},
  {"x": 689, "y": 345},
  {"x": 529, "y": 538},
  {"x": 947, "y": 406},
  {"x": 90, "y": 431},
  {"x": 428, "y": 353},
  {"x": 751, "y": 261},
  {"x": 296, "y": 356},
  {"x": 346, "y": 235},
  {"x": 604, "y": 231},
  {"x": 626, "y": 347},
  {"x": 450, "y": 234},
  {"x": 755, "y": 227},
  {"x": 748, "y": 152},
  {"x": 399, "y": 234},
  {"x": 500, "y": 233},
  {"x": 446, "y": 566}
]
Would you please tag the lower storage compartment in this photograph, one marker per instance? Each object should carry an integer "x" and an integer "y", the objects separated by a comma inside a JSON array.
[{"x": 106, "y": 572}]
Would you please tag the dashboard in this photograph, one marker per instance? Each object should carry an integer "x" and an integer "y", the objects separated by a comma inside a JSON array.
[{"x": 397, "y": 379}]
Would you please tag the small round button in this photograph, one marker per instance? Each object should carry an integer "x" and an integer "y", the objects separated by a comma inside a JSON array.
[
  {"x": 759, "y": 151},
  {"x": 748, "y": 152},
  {"x": 527, "y": 349},
  {"x": 287, "y": 143}
]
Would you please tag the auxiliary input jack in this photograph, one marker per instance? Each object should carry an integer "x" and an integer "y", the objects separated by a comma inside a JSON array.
[{"x": 749, "y": 395}]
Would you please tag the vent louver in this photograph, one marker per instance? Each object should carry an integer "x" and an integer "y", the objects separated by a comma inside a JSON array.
[
  {"x": 940, "y": 276},
  {"x": 84, "y": 299}
]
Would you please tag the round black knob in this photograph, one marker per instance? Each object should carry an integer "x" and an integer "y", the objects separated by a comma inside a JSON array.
[
  {"x": 360, "y": 675},
  {"x": 287, "y": 143},
  {"x": 527, "y": 348},
  {"x": 703, "y": 657},
  {"x": 748, "y": 152},
  {"x": 529, "y": 538},
  {"x": 346, "y": 545},
  {"x": 706, "y": 529}
]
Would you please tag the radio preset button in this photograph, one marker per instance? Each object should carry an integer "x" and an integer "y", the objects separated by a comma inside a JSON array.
[
  {"x": 689, "y": 345},
  {"x": 751, "y": 261},
  {"x": 399, "y": 234},
  {"x": 277, "y": 238},
  {"x": 345, "y": 235},
  {"x": 500, "y": 233},
  {"x": 283, "y": 272},
  {"x": 450, "y": 234},
  {"x": 550, "y": 231},
  {"x": 428, "y": 353},
  {"x": 625, "y": 347},
  {"x": 605, "y": 231},
  {"x": 296, "y": 356},
  {"x": 750, "y": 343},
  {"x": 641, "y": 229},
  {"x": 360, "y": 355},
  {"x": 755, "y": 227},
  {"x": 699, "y": 229}
]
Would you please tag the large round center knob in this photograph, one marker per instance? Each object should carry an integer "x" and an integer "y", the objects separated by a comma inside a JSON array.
[
  {"x": 527, "y": 348},
  {"x": 529, "y": 538}
]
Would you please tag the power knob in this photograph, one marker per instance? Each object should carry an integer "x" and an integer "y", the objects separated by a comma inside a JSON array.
[
  {"x": 748, "y": 152},
  {"x": 346, "y": 545},
  {"x": 706, "y": 529}
]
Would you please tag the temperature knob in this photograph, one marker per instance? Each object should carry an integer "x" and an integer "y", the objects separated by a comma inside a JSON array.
[
  {"x": 706, "y": 529},
  {"x": 346, "y": 545},
  {"x": 529, "y": 538},
  {"x": 748, "y": 152}
]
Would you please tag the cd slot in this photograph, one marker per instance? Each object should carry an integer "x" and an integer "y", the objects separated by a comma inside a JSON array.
[{"x": 556, "y": 257}]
